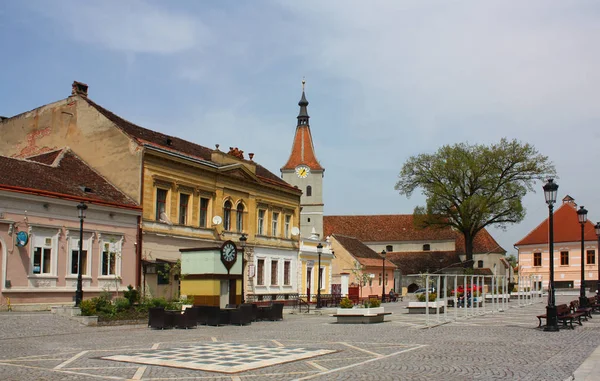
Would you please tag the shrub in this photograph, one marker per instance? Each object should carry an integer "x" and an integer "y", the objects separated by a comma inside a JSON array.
[
  {"x": 346, "y": 303},
  {"x": 88, "y": 307},
  {"x": 432, "y": 297},
  {"x": 374, "y": 302},
  {"x": 122, "y": 304},
  {"x": 132, "y": 295}
]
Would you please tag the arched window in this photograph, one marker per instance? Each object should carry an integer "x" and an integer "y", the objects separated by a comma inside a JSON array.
[
  {"x": 239, "y": 218},
  {"x": 308, "y": 190},
  {"x": 227, "y": 215}
]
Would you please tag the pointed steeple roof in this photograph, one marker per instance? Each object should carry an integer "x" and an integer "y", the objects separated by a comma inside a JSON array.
[{"x": 303, "y": 151}]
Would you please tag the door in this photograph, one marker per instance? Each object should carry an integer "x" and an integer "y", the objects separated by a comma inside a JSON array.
[
  {"x": 308, "y": 281},
  {"x": 232, "y": 291},
  {"x": 224, "y": 293}
]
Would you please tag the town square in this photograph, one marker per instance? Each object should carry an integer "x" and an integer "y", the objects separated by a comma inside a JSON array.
[{"x": 295, "y": 191}]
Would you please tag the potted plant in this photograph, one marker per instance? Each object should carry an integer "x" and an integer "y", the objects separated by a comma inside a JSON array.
[
  {"x": 422, "y": 305},
  {"x": 370, "y": 311}
]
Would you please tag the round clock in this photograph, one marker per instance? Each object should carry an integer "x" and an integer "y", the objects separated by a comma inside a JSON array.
[
  {"x": 302, "y": 171},
  {"x": 228, "y": 252}
]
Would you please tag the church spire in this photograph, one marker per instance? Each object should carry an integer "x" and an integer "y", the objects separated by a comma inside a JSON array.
[{"x": 303, "y": 115}]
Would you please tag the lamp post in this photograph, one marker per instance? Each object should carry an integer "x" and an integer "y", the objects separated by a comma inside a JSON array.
[
  {"x": 81, "y": 207},
  {"x": 550, "y": 191},
  {"x": 582, "y": 216},
  {"x": 598, "y": 263},
  {"x": 383, "y": 277},
  {"x": 243, "y": 240},
  {"x": 319, "y": 251}
]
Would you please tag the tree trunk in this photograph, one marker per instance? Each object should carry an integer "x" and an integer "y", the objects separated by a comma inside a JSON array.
[{"x": 468, "y": 246}]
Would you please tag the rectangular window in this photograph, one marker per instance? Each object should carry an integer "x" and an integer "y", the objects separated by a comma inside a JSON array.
[
  {"x": 564, "y": 258},
  {"x": 260, "y": 271},
  {"x": 591, "y": 257},
  {"x": 274, "y": 273},
  {"x": 380, "y": 279},
  {"x": 42, "y": 257},
  {"x": 286, "y": 273},
  {"x": 203, "y": 212},
  {"x": 261, "y": 222},
  {"x": 537, "y": 259},
  {"x": 274, "y": 222},
  {"x": 286, "y": 226},
  {"x": 161, "y": 203},
  {"x": 321, "y": 276},
  {"x": 75, "y": 262},
  {"x": 163, "y": 273},
  {"x": 183, "y": 208},
  {"x": 109, "y": 260}
]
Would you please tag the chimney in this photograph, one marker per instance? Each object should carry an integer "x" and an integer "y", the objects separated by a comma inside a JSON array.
[
  {"x": 79, "y": 88},
  {"x": 251, "y": 156},
  {"x": 569, "y": 200}
]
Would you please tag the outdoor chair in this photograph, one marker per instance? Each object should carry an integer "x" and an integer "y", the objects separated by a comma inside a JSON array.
[
  {"x": 231, "y": 306},
  {"x": 157, "y": 318},
  {"x": 216, "y": 316},
  {"x": 253, "y": 311},
  {"x": 202, "y": 314},
  {"x": 241, "y": 315},
  {"x": 188, "y": 319},
  {"x": 276, "y": 312}
]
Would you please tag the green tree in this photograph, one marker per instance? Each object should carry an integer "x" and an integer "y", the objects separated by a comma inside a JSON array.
[{"x": 469, "y": 187}]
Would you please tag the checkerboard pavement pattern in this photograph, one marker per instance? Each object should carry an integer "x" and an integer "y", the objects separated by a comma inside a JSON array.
[{"x": 220, "y": 357}]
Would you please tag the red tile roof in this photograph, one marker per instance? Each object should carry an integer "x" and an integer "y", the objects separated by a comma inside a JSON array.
[
  {"x": 60, "y": 174},
  {"x": 364, "y": 254},
  {"x": 172, "y": 143},
  {"x": 566, "y": 228},
  {"x": 416, "y": 262},
  {"x": 303, "y": 151},
  {"x": 400, "y": 227},
  {"x": 383, "y": 228},
  {"x": 483, "y": 243}
]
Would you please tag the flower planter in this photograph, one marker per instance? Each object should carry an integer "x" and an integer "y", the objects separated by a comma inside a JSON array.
[
  {"x": 422, "y": 307},
  {"x": 360, "y": 315}
]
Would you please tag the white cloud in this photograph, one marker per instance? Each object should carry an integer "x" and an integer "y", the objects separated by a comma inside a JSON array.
[{"x": 133, "y": 26}]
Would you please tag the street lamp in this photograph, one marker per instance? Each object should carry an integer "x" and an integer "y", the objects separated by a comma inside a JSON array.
[
  {"x": 383, "y": 277},
  {"x": 81, "y": 207},
  {"x": 319, "y": 251},
  {"x": 582, "y": 216},
  {"x": 243, "y": 240},
  {"x": 550, "y": 191},
  {"x": 598, "y": 262}
]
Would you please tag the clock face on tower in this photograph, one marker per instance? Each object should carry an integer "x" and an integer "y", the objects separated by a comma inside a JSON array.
[{"x": 302, "y": 171}]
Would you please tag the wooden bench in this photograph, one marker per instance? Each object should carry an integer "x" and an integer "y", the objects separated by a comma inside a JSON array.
[
  {"x": 587, "y": 311},
  {"x": 593, "y": 303},
  {"x": 564, "y": 316}
]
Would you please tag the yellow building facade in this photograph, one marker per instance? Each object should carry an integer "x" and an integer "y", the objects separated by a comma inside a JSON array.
[{"x": 191, "y": 196}]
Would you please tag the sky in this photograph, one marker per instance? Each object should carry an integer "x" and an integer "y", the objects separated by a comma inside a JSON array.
[{"x": 386, "y": 80}]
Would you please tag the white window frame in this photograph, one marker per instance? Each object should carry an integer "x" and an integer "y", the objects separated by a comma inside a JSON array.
[
  {"x": 276, "y": 262},
  {"x": 261, "y": 222},
  {"x": 38, "y": 238},
  {"x": 264, "y": 261},
  {"x": 286, "y": 226},
  {"x": 115, "y": 244},
  {"x": 274, "y": 223},
  {"x": 87, "y": 246}
]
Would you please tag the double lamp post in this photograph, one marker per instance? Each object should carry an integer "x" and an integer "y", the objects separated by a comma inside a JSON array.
[{"x": 550, "y": 192}]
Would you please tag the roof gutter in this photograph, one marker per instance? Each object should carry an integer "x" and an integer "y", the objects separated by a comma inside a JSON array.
[{"x": 180, "y": 156}]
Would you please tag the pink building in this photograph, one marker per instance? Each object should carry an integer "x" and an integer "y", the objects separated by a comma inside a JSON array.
[
  {"x": 534, "y": 257},
  {"x": 40, "y": 230}
]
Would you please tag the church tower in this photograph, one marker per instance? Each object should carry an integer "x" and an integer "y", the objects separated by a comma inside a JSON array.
[{"x": 304, "y": 171}]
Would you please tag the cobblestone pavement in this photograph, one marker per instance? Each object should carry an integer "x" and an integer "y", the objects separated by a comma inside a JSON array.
[{"x": 494, "y": 346}]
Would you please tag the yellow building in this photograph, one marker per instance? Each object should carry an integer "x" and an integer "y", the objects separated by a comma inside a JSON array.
[{"x": 192, "y": 196}]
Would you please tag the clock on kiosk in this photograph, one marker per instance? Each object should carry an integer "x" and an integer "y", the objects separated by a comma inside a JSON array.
[{"x": 228, "y": 254}]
